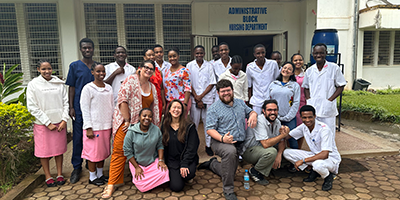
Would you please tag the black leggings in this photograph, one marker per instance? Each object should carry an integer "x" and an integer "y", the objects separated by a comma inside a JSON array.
[{"x": 176, "y": 182}]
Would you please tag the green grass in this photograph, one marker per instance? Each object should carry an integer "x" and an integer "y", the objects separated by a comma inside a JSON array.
[
  {"x": 384, "y": 107},
  {"x": 391, "y": 103}
]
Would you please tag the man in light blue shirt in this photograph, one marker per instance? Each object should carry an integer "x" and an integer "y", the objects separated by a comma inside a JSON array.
[{"x": 226, "y": 125}]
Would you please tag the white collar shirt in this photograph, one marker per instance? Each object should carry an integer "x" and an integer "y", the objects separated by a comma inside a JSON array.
[
  {"x": 164, "y": 65},
  {"x": 201, "y": 78},
  {"x": 116, "y": 84},
  {"x": 220, "y": 68},
  {"x": 240, "y": 87},
  {"x": 319, "y": 139},
  {"x": 322, "y": 84},
  {"x": 260, "y": 79}
]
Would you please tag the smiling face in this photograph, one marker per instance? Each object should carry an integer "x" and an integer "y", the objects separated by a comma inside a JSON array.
[
  {"x": 319, "y": 54},
  {"x": 120, "y": 55},
  {"x": 147, "y": 71},
  {"x": 287, "y": 70},
  {"x": 308, "y": 119},
  {"x": 159, "y": 54},
  {"x": 226, "y": 95},
  {"x": 149, "y": 55},
  {"x": 99, "y": 72},
  {"x": 86, "y": 50},
  {"x": 259, "y": 53},
  {"x": 173, "y": 57},
  {"x": 271, "y": 112},
  {"x": 146, "y": 117},
  {"x": 298, "y": 61},
  {"x": 199, "y": 54},
  {"x": 45, "y": 70},
  {"x": 175, "y": 110},
  {"x": 215, "y": 53},
  {"x": 224, "y": 51}
]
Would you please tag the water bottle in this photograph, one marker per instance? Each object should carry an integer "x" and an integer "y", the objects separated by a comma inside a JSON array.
[{"x": 246, "y": 180}]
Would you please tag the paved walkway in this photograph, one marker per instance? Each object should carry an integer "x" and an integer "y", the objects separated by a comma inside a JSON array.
[
  {"x": 380, "y": 179},
  {"x": 375, "y": 177}
]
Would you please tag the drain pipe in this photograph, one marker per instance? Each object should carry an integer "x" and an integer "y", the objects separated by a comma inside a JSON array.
[{"x": 355, "y": 40}]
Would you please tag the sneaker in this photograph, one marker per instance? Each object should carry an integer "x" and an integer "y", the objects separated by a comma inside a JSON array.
[
  {"x": 209, "y": 151},
  {"x": 75, "y": 175},
  {"x": 257, "y": 177},
  {"x": 230, "y": 196},
  {"x": 60, "y": 180},
  {"x": 50, "y": 182},
  {"x": 328, "y": 182},
  {"x": 206, "y": 165}
]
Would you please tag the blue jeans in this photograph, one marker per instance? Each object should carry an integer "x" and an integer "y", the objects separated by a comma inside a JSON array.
[{"x": 291, "y": 124}]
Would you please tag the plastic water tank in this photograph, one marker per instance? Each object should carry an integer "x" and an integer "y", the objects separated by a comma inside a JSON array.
[{"x": 331, "y": 39}]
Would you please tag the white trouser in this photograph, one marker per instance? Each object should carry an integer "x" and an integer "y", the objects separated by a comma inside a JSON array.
[
  {"x": 195, "y": 114},
  {"x": 257, "y": 109},
  {"x": 322, "y": 167},
  {"x": 330, "y": 122}
]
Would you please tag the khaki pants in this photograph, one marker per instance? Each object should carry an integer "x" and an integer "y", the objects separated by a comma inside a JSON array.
[{"x": 261, "y": 158}]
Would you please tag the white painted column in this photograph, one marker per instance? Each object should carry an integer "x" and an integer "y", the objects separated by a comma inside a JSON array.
[
  {"x": 23, "y": 42},
  {"x": 159, "y": 24},
  {"x": 68, "y": 34}
]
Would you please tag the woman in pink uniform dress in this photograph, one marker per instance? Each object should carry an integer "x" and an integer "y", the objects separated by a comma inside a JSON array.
[
  {"x": 298, "y": 61},
  {"x": 144, "y": 149},
  {"x": 47, "y": 101},
  {"x": 97, "y": 105}
]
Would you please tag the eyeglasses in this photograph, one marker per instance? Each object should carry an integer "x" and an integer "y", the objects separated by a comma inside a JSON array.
[{"x": 148, "y": 68}]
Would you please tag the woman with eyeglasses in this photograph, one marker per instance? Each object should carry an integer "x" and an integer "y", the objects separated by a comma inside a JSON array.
[{"x": 136, "y": 93}]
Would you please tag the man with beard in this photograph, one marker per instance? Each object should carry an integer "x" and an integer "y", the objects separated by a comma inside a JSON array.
[
  {"x": 226, "y": 126},
  {"x": 79, "y": 75},
  {"x": 117, "y": 71},
  {"x": 323, "y": 155},
  {"x": 265, "y": 143}
]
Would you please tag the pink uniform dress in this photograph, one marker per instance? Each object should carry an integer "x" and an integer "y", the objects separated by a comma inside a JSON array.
[
  {"x": 49, "y": 143},
  {"x": 97, "y": 105},
  {"x": 153, "y": 177},
  {"x": 299, "y": 80}
]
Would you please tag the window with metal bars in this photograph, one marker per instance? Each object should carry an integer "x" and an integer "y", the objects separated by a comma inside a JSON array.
[
  {"x": 9, "y": 43},
  {"x": 177, "y": 29},
  {"x": 41, "y": 21},
  {"x": 381, "y": 48},
  {"x": 101, "y": 27},
  {"x": 140, "y": 30}
]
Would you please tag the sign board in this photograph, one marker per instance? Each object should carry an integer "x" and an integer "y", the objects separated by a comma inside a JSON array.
[{"x": 245, "y": 17}]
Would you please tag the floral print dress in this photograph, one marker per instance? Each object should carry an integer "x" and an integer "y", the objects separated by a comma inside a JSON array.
[{"x": 176, "y": 83}]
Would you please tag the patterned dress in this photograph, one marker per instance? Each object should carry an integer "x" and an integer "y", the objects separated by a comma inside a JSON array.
[{"x": 176, "y": 83}]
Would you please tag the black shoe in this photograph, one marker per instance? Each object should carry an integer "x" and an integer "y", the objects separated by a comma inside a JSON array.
[
  {"x": 97, "y": 182},
  {"x": 257, "y": 177},
  {"x": 292, "y": 169},
  {"x": 312, "y": 176},
  {"x": 206, "y": 165},
  {"x": 327, "y": 185},
  {"x": 50, "y": 183},
  {"x": 60, "y": 180},
  {"x": 75, "y": 175},
  {"x": 209, "y": 151},
  {"x": 104, "y": 178},
  {"x": 230, "y": 196}
]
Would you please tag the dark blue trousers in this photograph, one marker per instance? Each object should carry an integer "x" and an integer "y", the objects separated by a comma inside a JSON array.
[{"x": 77, "y": 143}]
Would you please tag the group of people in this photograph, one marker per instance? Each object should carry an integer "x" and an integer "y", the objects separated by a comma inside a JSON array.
[{"x": 144, "y": 113}]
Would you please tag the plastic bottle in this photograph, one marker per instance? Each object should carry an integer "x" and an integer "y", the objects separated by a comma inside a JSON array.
[{"x": 246, "y": 180}]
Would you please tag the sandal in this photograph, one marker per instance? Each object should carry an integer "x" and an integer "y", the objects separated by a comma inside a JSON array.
[{"x": 107, "y": 193}]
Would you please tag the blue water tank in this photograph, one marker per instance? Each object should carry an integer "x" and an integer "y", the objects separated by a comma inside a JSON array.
[{"x": 331, "y": 39}]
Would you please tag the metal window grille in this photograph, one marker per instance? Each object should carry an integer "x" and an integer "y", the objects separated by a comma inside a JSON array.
[
  {"x": 368, "y": 50},
  {"x": 384, "y": 48},
  {"x": 9, "y": 43},
  {"x": 177, "y": 28},
  {"x": 139, "y": 30},
  {"x": 396, "y": 59},
  {"x": 101, "y": 27},
  {"x": 43, "y": 35}
]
